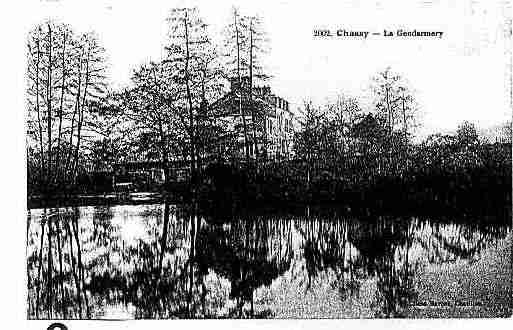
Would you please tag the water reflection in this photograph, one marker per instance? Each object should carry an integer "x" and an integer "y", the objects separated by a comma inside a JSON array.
[{"x": 161, "y": 261}]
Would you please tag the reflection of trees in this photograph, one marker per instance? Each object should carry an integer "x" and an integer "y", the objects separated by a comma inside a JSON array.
[
  {"x": 169, "y": 279},
  {"x": 249, "y": 253},
  {"x": 83, "y": 262},
  {"x": 55, "y": 268},
  {"x": 154, "y": 280},
  {"x": 381, "y": 249},
  {"x": 355, "y": 250},
  {"x": 450, "y": 241},
  {"x": 383, "y": 246},
  {"x": 325, "y": 246},
  {"x": 161, "y": 275}
]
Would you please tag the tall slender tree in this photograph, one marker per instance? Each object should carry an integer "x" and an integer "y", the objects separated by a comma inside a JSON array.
[
  {"x": 396, "y": 108},
  {"x": 189, "y": 60},
  {"x": 236, "y": 45},
  {"x": 258, "y": 47}
]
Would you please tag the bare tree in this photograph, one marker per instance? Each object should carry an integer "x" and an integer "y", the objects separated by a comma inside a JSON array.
[
  {"x": 152, "y": 114},
  {"x": 189, "y": 60},
  {"x": 396, "y": 107},
  {"x": 257, "y": 48},
  {"x": 344, "y": 112},
  {"x": 308, "y": 139},
  {"x": 59, "y": 62},
  {"x": 236, "y": 43},
  {"x": 34, "y": 93},
  {"x": 94, "y": 88}
]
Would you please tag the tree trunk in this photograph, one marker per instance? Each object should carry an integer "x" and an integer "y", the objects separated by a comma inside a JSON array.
[
  {"x": 75, "y": 111},
  {"x": 63, "y": 88},
  {"x": 243, "y": 116},
  {"x": 165, "y": 156},
  {"x": 191, "y": 110},
  {"x": 81, "y": 119},
  {"x": 40, "y": 127},
  {"x": 252, "y": 107},
  {"x": 405, "y": 136},
  {"x": 49, "y": 106},
  {"x": 389, "y": 142}
]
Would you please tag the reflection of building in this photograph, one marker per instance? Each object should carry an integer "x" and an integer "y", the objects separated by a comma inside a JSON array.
[{"x": 273, "y": 119}]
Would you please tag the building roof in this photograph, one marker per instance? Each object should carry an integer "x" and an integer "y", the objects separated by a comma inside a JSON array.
[{"x": 263, "y": 99}]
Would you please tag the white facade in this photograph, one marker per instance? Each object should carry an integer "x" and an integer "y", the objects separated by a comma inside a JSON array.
[{"x": 274, "y": 121}]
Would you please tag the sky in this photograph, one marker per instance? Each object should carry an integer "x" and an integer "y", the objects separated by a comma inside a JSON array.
[{"x": 466, "y": 75}]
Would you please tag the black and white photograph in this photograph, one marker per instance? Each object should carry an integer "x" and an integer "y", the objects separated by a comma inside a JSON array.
[{"x": 266, "y": 160}]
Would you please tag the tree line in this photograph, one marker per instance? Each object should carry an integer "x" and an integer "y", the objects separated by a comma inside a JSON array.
[
  {"x": 370, "y": 155},
  {"x": 342, "y": 138}
]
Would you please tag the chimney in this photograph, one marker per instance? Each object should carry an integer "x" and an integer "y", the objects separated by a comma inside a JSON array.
[{"x": 234, "y": 84}]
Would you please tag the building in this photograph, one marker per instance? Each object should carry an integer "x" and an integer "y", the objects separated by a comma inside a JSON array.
[{"x": 273, "y": 131}]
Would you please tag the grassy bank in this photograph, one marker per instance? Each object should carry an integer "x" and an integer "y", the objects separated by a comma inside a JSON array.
[{"x": 475, "y": 288}]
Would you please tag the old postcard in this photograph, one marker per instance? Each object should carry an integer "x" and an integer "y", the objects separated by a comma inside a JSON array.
[{"x": 267, "y": 159}]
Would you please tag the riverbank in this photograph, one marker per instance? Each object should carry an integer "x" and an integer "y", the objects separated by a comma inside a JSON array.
[
  {"x": 479, "y": 192},
  {"x": 136, "y": 198},
  {"x": 381, "y": 200}
]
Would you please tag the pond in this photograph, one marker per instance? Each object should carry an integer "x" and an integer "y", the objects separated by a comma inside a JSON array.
[{"x": 168, "y": 261}]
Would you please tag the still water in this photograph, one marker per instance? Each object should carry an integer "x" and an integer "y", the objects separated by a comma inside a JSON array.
[{"x": 163, "y": 261}]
